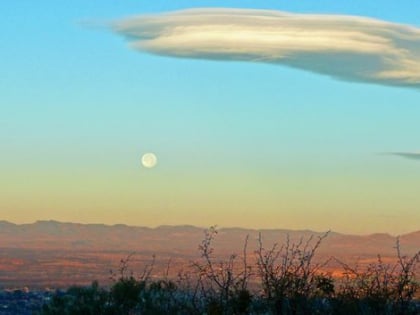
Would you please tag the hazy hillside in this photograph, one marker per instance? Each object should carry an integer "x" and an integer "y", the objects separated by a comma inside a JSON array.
[
  {"x": 57, "y": 235},
  {"x": 54, "y": 253}
]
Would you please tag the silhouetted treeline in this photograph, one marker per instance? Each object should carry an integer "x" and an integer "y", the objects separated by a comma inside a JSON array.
[{"x": 283, "y": 281}]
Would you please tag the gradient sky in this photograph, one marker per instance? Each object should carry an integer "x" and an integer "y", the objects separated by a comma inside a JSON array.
[{"x": 239, "y": 143}]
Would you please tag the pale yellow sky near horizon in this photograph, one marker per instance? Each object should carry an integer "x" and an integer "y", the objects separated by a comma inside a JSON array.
[{"x": 160, "y": 196}]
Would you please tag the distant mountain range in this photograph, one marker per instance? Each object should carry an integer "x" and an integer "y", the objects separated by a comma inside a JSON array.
[
  {"x": 51, "y": 253},
  {"x": 75, "y": 236}
]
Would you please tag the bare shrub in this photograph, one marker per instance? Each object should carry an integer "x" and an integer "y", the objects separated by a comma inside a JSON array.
[
  {"x": 289, "y": 277},
  {"x": 222, "y": 284},
  {"x": 288, "y": 282},
  {"x": 381, "y": 288}
]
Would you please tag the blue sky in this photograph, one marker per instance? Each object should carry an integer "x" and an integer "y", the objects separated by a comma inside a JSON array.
[{"x": 238, "y": 143}]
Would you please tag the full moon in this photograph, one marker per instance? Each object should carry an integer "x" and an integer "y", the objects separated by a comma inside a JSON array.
[{"x": 149, "y": 160}]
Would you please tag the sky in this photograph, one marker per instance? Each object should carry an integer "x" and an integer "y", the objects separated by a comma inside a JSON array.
[{"x": 293, "y": 117}]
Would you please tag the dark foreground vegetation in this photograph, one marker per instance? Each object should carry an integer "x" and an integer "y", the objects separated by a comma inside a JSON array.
[{"x": 280, "y": 280}]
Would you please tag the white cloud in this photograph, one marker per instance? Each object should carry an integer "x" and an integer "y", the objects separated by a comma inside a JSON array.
[{"x": 344, "y": 47}]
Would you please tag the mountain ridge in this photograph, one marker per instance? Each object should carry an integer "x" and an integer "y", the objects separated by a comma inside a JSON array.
[
  {"x": 49, "y": 252},
  {"x": 50, "y": 223},
  {"x": 55, "y": 235}
]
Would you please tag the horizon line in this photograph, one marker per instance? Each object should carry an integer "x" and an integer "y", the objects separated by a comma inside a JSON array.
[{"x": 206, "y": 228}]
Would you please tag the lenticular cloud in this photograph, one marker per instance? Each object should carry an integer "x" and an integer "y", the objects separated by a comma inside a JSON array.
[{"x": 344, "y": 47}]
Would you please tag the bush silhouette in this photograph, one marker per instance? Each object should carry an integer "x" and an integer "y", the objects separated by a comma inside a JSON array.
[
  {"x": 78, "y": 301},
  {"x": 381, "y": 288},
  {"x": 285, "y": 281}
]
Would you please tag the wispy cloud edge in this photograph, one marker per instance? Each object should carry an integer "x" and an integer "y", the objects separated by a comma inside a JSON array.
[{"x": 407, "y": 155}]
